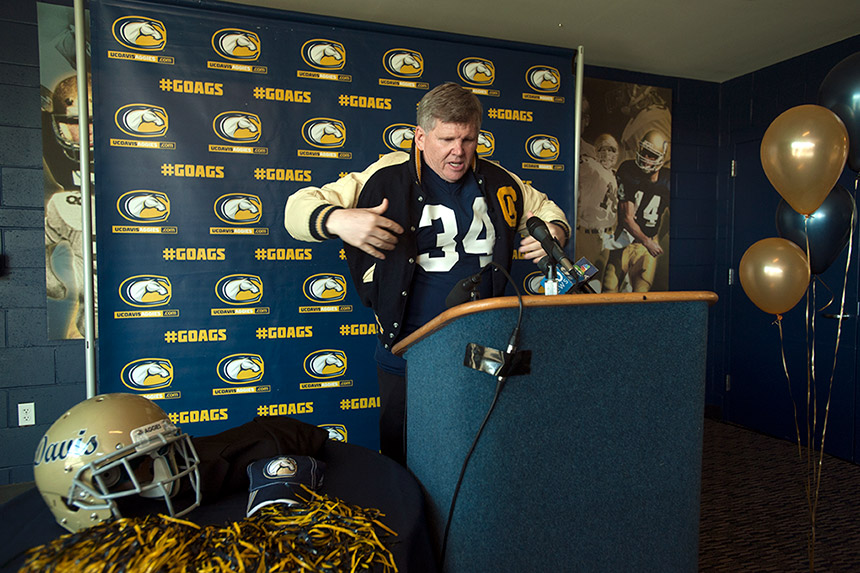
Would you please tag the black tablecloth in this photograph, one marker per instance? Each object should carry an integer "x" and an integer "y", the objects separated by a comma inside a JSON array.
[{"x": 354, "y": 474}]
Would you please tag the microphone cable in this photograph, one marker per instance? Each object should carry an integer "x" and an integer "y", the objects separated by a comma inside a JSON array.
[
  {"x": 466, "y": 289},
  {"x": 513, "y": 342}
]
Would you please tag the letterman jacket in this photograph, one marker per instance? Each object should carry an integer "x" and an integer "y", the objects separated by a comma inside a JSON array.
[{"x": 384, "y": 285}]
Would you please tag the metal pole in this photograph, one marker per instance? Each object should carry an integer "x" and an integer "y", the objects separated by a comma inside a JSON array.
[
  {"x": 86, "y": 195},
  {"x": 577, "y": 136}
]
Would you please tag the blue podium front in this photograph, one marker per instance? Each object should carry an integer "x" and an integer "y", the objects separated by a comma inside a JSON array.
[{"x": 592, "y": 461}]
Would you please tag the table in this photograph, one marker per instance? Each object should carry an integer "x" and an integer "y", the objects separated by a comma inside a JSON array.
[{"x": 356, "y": 475}]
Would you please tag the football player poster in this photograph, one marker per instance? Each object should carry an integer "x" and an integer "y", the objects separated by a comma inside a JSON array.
[
  {"x": 622, "y": 224},
  {"x": 64, "y": 264}
]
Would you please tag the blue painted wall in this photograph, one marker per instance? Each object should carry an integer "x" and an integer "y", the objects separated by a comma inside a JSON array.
[
  {"x": 51, "y": 373},
  {"x": 759, "y": 397}
]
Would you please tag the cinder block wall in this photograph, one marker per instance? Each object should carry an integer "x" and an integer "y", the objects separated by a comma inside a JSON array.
[{"x": 32, "y": 368}]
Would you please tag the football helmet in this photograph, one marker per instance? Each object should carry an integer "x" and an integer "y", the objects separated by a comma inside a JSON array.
[
  {"x": 630, "y": 99},
  {"x": 64, "y": 116},
  {"x": 606, "y": 147},
  {"x": 110, "y": 451},
  {"x": 652, "y": 151}
]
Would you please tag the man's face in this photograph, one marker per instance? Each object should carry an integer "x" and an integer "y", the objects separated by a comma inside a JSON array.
[
  {"x": 607, "y": 152},
  {"x": 449, "y": 148}
]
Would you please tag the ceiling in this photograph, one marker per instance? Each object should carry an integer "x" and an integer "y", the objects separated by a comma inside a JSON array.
[{"x": 711, "y": 40}]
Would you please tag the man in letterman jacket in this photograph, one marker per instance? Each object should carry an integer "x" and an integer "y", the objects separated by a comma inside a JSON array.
[{"x": 415, "y": 224}]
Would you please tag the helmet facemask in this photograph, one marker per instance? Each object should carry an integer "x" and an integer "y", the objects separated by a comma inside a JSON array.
[
  {"x": 606, "y": 148},
  {"x": 153, "y": 469},
  {"x": 68, "y": 134},
  {"x": 651, "y": 152},
  {"x": 116, "y": 455}
]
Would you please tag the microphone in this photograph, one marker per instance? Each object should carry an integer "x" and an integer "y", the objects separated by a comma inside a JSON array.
[
  {"x": 564, "y": 282},
  {"x": 556, "y": 280},
  {"x": 538, "y": 229},
  {"x": 464, "y": 291}
]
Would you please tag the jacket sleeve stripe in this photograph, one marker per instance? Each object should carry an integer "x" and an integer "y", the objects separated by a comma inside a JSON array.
[{"x": 318, "y": 219}]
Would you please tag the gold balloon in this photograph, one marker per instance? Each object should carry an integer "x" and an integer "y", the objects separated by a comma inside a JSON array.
[
  {"x": 803, "y": 153},
  {"x": 775, "y": 274}
]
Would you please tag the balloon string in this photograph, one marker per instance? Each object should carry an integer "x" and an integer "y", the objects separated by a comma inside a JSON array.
[
  {"x": 811, "y": 484},
  {"x": 835, "y": 354},
  {"x": 778, "y": 323},
  {"x": 811, "y": 402},
  {"x": 829, "y": 291},
  {"x": 810, "y": 369}
]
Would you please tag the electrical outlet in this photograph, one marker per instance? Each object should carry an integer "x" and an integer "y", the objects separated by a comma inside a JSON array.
[{"x": 27, "y": 414}]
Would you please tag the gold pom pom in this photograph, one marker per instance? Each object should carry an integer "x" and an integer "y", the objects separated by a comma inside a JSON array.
[{"x": 323, "y": 534}]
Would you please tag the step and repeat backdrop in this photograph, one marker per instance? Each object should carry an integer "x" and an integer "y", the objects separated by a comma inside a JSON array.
[{"x": 206, "y": 119}]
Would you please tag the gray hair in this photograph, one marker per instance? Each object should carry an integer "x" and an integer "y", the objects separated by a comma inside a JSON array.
[{"x": 449, "y": 103}]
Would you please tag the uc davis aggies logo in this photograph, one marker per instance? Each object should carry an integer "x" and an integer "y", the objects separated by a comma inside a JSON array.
[
  {"x": 477, "y": 71},
  {"x": 533, "y": 283},
  {"x": 486, "y": 143},
  {"x": 239, "y": 208},
  {"x": 145, "y": 290},
  {"x": 239, "y": 289},
  {"x": 323, "y": 54},
  {"x": 241, "y": 368},
  {"x": 403, "y": 63},
  {"x": 144, "y": 206},
  {"x": 324, "y": 288},
  {"x": 399, "y": 136},
  {"x": 147, "y": 374},
  {"x": 282, "y": 466},
  {"x": 142, "y": 120},
  {"x": 325, "y": 363},
  {"x": 336, "y": 432},
  {"x": 140, "y": 33},
  {"x": 543, "y": 79},
  {"x": 236, "y": 44},
  {"x": 237, "y": 126},
  {"x": 324, "y": 132},
  {"x": 542, "y": 147}
]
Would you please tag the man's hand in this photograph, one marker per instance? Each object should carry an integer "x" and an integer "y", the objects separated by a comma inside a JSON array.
[
  {"x": 531, "y": 248},
  {"x": 653, "y": 247},
  {"x": 365, "y": 229}
]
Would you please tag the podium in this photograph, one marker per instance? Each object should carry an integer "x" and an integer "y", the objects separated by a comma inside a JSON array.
[{"x": 592, "y": 461}]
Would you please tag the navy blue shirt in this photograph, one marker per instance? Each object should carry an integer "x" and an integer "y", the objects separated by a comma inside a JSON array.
[{"x": 455, "y": 239}]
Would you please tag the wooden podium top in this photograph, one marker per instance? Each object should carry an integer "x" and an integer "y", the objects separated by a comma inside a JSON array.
[{"x": 468, "y": 308}]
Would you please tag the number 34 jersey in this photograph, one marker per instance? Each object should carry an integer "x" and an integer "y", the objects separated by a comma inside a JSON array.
[
  {"x": 386, "y": 284},
  {"x": 455, "y": 239}
]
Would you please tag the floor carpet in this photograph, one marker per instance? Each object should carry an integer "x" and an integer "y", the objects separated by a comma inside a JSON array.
[{"x": 754, "y": 512}]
